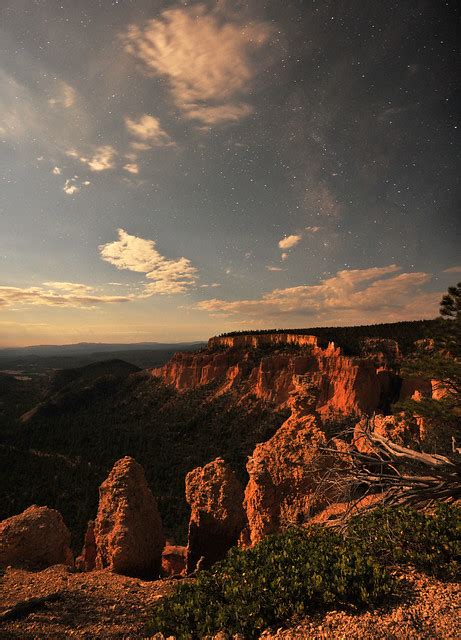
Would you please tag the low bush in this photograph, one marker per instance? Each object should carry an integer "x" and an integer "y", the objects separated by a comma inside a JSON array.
[
  {"x": 429, "y": 541},
  {"x": 289, "y": 575},
  {"x": 281, "y": 579}
]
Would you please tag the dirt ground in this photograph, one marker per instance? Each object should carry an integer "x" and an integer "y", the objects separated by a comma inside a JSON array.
[{"x": 59, "y": 603}]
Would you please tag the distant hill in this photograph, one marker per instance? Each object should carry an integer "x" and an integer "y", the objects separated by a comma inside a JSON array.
[
  {"x": 80, "y": 348},
  {"x": 43, "y": 358}
]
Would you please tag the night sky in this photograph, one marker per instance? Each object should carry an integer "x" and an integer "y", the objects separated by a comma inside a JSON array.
[{"x": 173, "y": 170}]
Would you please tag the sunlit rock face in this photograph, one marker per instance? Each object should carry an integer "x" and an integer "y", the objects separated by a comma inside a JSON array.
[
  {"x": 269, "y": 367},
  {"x": 287, "y": 474},
  {"x": 217, "y": 517},
  {"x": 86, "y": 561},
  {"x": 128, "y": 529},
  {"x": 34, "y": 539}
]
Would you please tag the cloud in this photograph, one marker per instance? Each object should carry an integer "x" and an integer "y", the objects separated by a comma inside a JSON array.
[
  {"x": 290, "y": 241},
  {"x": 56, "y": 171},
  {"x": 70, "y": 187},
  {"x": 206, "y": 60},
  {"x": 71, "y": 287},
  {"x": 65, "y": 97},
  {"x": 271, "y": 268},
  {"x": 313, "y": 229},
  {"x": 140, "y": 255},
  {"x": 131, "y": 167},
  {"x": 140, "y": 146},
  {"x": 148, "y": 129},
  {"x": 57, "y": 294},
  {"x": 101, "y": 159},
  {"x": 284, "y": 256},
  {"x": 376, "y": 294},
  {"x": 452, "y": 270}
]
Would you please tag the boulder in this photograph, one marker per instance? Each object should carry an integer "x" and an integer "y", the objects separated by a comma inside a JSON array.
[
  {"x": 128, "y": 529},
  {"x": 174, "y": 559},
  {"x": 217, "y": 517},
  {"x": 35, "y": 539}
]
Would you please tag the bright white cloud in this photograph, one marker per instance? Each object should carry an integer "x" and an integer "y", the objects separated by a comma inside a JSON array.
[
  {"x": 290, "y": 241},
  {"x": 376, "y": 294},
  {"x": 56, "y": 171},
  {"x": 140, "y": 255},
  {"x": 207, "y": 60},
  {"x": 148, "y": 129}
]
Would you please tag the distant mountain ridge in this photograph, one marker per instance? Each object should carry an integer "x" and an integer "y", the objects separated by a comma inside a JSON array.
[{"x": 94, "y": 347}]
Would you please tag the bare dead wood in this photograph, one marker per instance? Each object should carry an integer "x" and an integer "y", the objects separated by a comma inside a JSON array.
[{"x": 25, "y": 607}]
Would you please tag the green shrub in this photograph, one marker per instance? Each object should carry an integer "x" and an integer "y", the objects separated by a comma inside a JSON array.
[
  {"x": 282, "y": 578},
  {"x": 431, "y": 542},
  {"x": 295, "y": 573}
]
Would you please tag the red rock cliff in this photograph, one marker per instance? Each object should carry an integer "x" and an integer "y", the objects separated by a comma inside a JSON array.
[{"x": 269, "y": 366}]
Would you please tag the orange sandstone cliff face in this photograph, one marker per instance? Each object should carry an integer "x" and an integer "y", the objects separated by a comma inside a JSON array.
[
  {"x": 269, "y": 366},
  {"x": 287, "y": 472}
]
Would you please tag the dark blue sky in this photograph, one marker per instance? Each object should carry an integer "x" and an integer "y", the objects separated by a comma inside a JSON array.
[{"x": 170, "y": 170}]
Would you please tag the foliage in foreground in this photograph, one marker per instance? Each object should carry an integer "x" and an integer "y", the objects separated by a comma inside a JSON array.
[
  {"x": 292, "y": 574},
  {"x": 431, "y": 542}
]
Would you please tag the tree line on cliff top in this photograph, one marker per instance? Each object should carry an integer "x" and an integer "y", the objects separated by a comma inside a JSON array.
[{"x": 350, "y": 338}]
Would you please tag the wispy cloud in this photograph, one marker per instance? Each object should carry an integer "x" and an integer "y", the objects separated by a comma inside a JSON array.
[
  {"x": 131, "y": 167},
  {"x": 271, "y": 268},
  {"x": 101, "y": 159},
  {"x": 140, "y": 255},
  {"x": 452, "y": 270},
  {"x": 64, "y": 97},
  {"x": 376, "y": 294},
  {"x": 56, "y": 294},
  {"x": 207, "y": 61}
]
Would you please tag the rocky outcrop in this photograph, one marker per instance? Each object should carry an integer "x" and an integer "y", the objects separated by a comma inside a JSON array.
[
  {"x": 86, "y": 561},
  {"x": 128, "y": 530},
  {"x": 256, "y": 341},
  {"x": 410, "y": 386},
  {"x": 174, "y": 559},
  {"x": 395, "y": 428},
  {"x": 268, "y": 367},
  {"x": 34, "y": 539},
  {"x": 217, "y": 517},
  {"x": 384, "y": 352},
  {"x": 286, "y": 473}
]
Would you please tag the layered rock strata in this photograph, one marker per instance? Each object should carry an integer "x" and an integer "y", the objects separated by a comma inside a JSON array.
[{"x": 269, "y": 366}]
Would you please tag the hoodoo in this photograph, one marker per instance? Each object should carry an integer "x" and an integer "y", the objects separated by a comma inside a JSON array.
[
  {"x": 128, "y": 530},
  {"x": 217, "y": 516}
]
